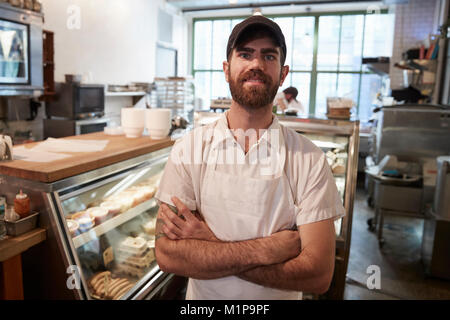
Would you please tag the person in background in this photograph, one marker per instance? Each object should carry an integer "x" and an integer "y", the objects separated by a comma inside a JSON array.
[
  {"x": 287, "y": 100},
  {"x": 248, "y": 224}
]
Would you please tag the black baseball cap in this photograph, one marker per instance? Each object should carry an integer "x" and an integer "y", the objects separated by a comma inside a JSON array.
[{"x": 253, "y": 21}]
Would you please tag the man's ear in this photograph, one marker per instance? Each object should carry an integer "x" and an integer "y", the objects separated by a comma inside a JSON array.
[
  {"x": 284, "y": 73},
  {"x": 226, "y": 67}
]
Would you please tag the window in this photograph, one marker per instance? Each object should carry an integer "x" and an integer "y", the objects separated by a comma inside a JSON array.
[{"x": 324, "y": 55}]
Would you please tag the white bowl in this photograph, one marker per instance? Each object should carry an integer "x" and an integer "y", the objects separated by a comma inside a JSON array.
[
  {"x": 157, "y": 134},
  {"x": 133, "y": 132},
  {"x": 132, "y": 117},
  {"x": 158, "y": 122}
]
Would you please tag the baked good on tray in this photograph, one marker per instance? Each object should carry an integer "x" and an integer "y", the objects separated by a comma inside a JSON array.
[
  {"x": 99, "y": 214},
  {"x": 106, "y": 287},
  {"x": 112, "y": 206}
]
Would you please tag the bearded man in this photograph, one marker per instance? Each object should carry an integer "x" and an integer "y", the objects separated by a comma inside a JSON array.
[{"x": 258, "y": 224}]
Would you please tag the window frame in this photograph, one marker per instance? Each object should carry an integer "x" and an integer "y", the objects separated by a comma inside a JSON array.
[{"x": 313, "y": 72}]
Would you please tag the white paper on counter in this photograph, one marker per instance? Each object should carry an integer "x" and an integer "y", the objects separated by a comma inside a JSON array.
[
  {"x": 22, "y": 153},
  {"x": 68, "y": 145}
]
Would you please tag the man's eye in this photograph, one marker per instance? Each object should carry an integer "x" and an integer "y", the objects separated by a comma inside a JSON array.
[
  {"x": 244, "y": 55},
  {"x": 270, "y": 57}
]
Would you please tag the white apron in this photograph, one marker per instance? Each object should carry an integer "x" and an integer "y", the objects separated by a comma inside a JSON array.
[{"x": 240, "y": 208}]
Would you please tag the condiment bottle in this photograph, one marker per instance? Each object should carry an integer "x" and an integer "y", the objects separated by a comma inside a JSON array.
[{"x": 22, "y": 204}]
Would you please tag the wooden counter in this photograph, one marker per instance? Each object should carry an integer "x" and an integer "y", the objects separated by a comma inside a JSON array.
[
  {"x": 11, "y": 279},
  {"x": 119, "y": 148},
  {"x": 13, "y": 246}
]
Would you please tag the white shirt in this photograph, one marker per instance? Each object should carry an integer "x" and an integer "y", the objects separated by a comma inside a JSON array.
[
  {"x": 314, "y": 191},
  {"x": 293, "y": 105}
]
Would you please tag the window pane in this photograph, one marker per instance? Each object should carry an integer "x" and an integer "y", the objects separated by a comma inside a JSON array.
[
  {"x": 221, "y": 32},
  {"x": 348, "y": 86},
  {"x": 202, "y": 46},
  {"x": 370, "y": 86},
  {"x": 302, "y": 80},
  {"x": 378, "y": 35},
  {"x": 326, "y": 87},
  {"x": 220, "y": 87},
  {"x": 286, "y": 25},
  {"x": 203, "y": 88},
  {"x": 351, "y": 43},
  {"x": 303, "y": 46},
  {"x": 234, "y": 22},
  {"x": 328, "y": 46}
]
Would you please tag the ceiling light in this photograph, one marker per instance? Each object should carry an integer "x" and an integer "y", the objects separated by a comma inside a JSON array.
[{"x": 233, "y": 1}]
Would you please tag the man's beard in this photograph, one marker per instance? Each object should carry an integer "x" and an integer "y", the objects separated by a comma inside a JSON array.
[{"x": 254, "y": 97}]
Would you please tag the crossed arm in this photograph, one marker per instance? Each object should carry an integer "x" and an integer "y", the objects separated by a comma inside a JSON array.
[{"x": 282, "y": 261}]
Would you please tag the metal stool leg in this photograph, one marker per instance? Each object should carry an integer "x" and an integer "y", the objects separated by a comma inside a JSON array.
[{"x": 380, "y": 227}]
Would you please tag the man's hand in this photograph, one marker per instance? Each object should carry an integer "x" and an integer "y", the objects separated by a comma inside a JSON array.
[
  {"x": 287, "y": 246},
  {"x": 191, "y": 227}
]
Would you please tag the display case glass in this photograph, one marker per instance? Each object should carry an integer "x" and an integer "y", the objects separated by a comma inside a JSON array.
[
  {"x": 111, "y": 224},
  {"x": 335, "y": 148}
]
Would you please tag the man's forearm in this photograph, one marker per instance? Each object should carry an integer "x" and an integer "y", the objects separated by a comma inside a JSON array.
[
  {"x": 298, "y": 274},
  {"x": 202, "y": 259}
]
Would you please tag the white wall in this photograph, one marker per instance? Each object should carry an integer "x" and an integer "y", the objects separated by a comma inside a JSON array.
[
  {"x": 115, "y": 43},
  {"x": 414, "y": 21}
]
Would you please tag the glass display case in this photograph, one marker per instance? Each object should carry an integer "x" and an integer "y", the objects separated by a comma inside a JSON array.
[
  {"x": 339, "y": 140},
  {"x": 111, "y": 227},
  {"x": 100, "y": 232}
]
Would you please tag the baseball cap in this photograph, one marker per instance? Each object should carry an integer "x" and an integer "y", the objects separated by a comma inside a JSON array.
[{"x": 263, "y": 22}]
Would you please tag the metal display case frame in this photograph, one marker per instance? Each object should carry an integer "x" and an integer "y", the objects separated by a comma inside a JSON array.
[
  {"x": 49, "y": 278},
  {"x": 350, "y": 130}
]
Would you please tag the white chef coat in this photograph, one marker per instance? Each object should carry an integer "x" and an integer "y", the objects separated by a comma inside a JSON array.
[{"x": 311, "y": 190}]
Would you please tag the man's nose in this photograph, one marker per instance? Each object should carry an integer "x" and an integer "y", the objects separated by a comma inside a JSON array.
[{"x": 257, "y": 63}]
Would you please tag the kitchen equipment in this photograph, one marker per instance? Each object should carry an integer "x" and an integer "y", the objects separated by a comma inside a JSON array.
[
  {"x": 73, "y": 78},
  {"x": 21, "y": 70},
  {"x": 441, "y": 204},
  {"x": 158, "y": 122},
  {"x": 412, "y": 133},
  {"x": 6, "y": 148},
  {"x": 77, "y": 101},
  {"x": 16, "y": 228},
  {"x": 58, "y": 128},
  {"x": 436, "y": 229}
]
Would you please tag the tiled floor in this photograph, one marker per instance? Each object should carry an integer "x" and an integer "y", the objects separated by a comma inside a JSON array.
[{"x": 401, "y": 268}]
